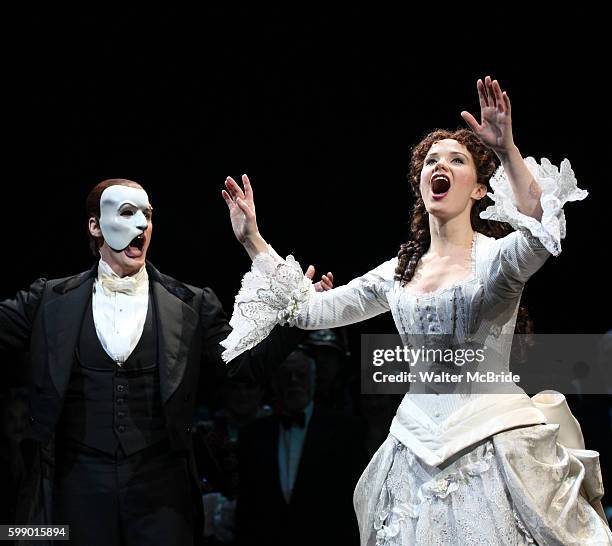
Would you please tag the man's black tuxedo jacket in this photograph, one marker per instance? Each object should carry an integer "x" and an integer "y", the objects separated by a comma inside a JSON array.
[{"x": 46, "y": 320}]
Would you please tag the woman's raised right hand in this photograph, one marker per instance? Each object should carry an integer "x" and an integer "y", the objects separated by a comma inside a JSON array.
[{"x": 241, "y": 208}]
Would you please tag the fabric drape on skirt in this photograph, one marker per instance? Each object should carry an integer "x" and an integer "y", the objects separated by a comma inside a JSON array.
[{"x": 521, "y": 486}]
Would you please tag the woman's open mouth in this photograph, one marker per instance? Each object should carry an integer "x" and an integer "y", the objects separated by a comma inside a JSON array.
[
  {"x": 440, "y": 186},
  {"x": 134, "y": 249}
]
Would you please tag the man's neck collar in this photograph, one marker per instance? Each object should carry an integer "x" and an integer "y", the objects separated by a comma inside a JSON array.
[{"x": 106, "y": 269}]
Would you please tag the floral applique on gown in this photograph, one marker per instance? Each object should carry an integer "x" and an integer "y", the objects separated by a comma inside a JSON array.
[{"x": 460, "y": 468}]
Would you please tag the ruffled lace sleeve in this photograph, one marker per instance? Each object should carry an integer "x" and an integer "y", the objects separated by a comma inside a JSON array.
[
  {"x": 276, "y": 291},
  {"x": 558, "y": 187},
  {"x": 513, "y": 259}
]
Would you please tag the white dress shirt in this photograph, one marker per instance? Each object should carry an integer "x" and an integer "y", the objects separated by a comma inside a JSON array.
[
  {"x": 119, "y": 310},
  {"x": 290, "y": 444}
]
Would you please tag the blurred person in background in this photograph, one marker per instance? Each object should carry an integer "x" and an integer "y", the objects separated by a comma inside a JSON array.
[
  {"x": 297, "y": 467},
  {"x": 329, "y": 350},
  {"x": 216, "y": 443}
]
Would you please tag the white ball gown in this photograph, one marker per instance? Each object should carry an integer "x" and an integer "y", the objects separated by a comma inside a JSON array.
[{"x": 459, "y": 468}]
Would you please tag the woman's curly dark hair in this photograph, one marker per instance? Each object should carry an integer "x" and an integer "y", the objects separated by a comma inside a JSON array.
[{"x": 486, "y": 163}]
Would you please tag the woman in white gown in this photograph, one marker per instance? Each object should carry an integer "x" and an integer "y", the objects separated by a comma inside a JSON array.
[{"x": 462, "y": 468}]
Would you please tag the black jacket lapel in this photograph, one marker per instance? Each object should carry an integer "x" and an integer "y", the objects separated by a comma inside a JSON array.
[
  {"x": 176, "y": 323},
  {"x": 63, "y": 316}
]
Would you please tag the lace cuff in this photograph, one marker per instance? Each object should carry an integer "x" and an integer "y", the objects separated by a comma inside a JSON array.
[
  {"x": 273, "y": 292},
  {"x": 558, "y": 187}
]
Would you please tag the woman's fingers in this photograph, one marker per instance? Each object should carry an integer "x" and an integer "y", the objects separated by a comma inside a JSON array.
[
  {"x": 248, "y": 190},
  {"x": 230, "y": 189},
  {"x": 507, "y": 103},
  {"x": 490, "y": 93},
  {"x": 482, "y": 94},
  {"x": 228, "y": 200},
  {"x": 471, "y": 121},
  {"x": 501, "y": 106},
  {"x": 234, "y": 189},
  {"x": 244, "y": 207},
  {"x": 236, "y": 192}
]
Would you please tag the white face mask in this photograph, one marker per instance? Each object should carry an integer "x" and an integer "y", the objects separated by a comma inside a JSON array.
[{"x": 122, "y": 215}]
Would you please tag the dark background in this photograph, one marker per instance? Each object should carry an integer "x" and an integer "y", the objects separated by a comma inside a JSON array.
[{"x": 319, "y": 108}]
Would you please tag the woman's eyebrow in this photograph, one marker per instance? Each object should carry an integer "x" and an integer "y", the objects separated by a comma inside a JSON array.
[{"x": 437, "y": 154}]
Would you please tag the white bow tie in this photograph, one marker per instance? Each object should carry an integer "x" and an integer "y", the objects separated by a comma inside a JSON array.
[
  {"x": 111, "y": 283},
  {"x": 124, "y": 286}
]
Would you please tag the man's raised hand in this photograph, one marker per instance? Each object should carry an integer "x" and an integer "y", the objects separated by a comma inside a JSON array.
[{"x": 326, "y": 282}]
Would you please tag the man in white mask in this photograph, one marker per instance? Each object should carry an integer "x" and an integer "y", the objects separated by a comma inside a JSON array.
[
  {"x": 118, "y": 356},
  {"x": 125, "y": 216}
]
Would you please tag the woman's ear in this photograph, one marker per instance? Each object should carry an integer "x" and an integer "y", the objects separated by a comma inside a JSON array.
[
  {"x": 94, "y": 227},
  {"x": 479, "y": 192}
]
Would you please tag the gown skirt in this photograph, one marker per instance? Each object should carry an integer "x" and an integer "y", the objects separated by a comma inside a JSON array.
[{"x": 520, "y": 486}]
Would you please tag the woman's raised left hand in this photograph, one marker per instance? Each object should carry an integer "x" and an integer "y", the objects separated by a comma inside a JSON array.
[{"x": 495, "y": 127}]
